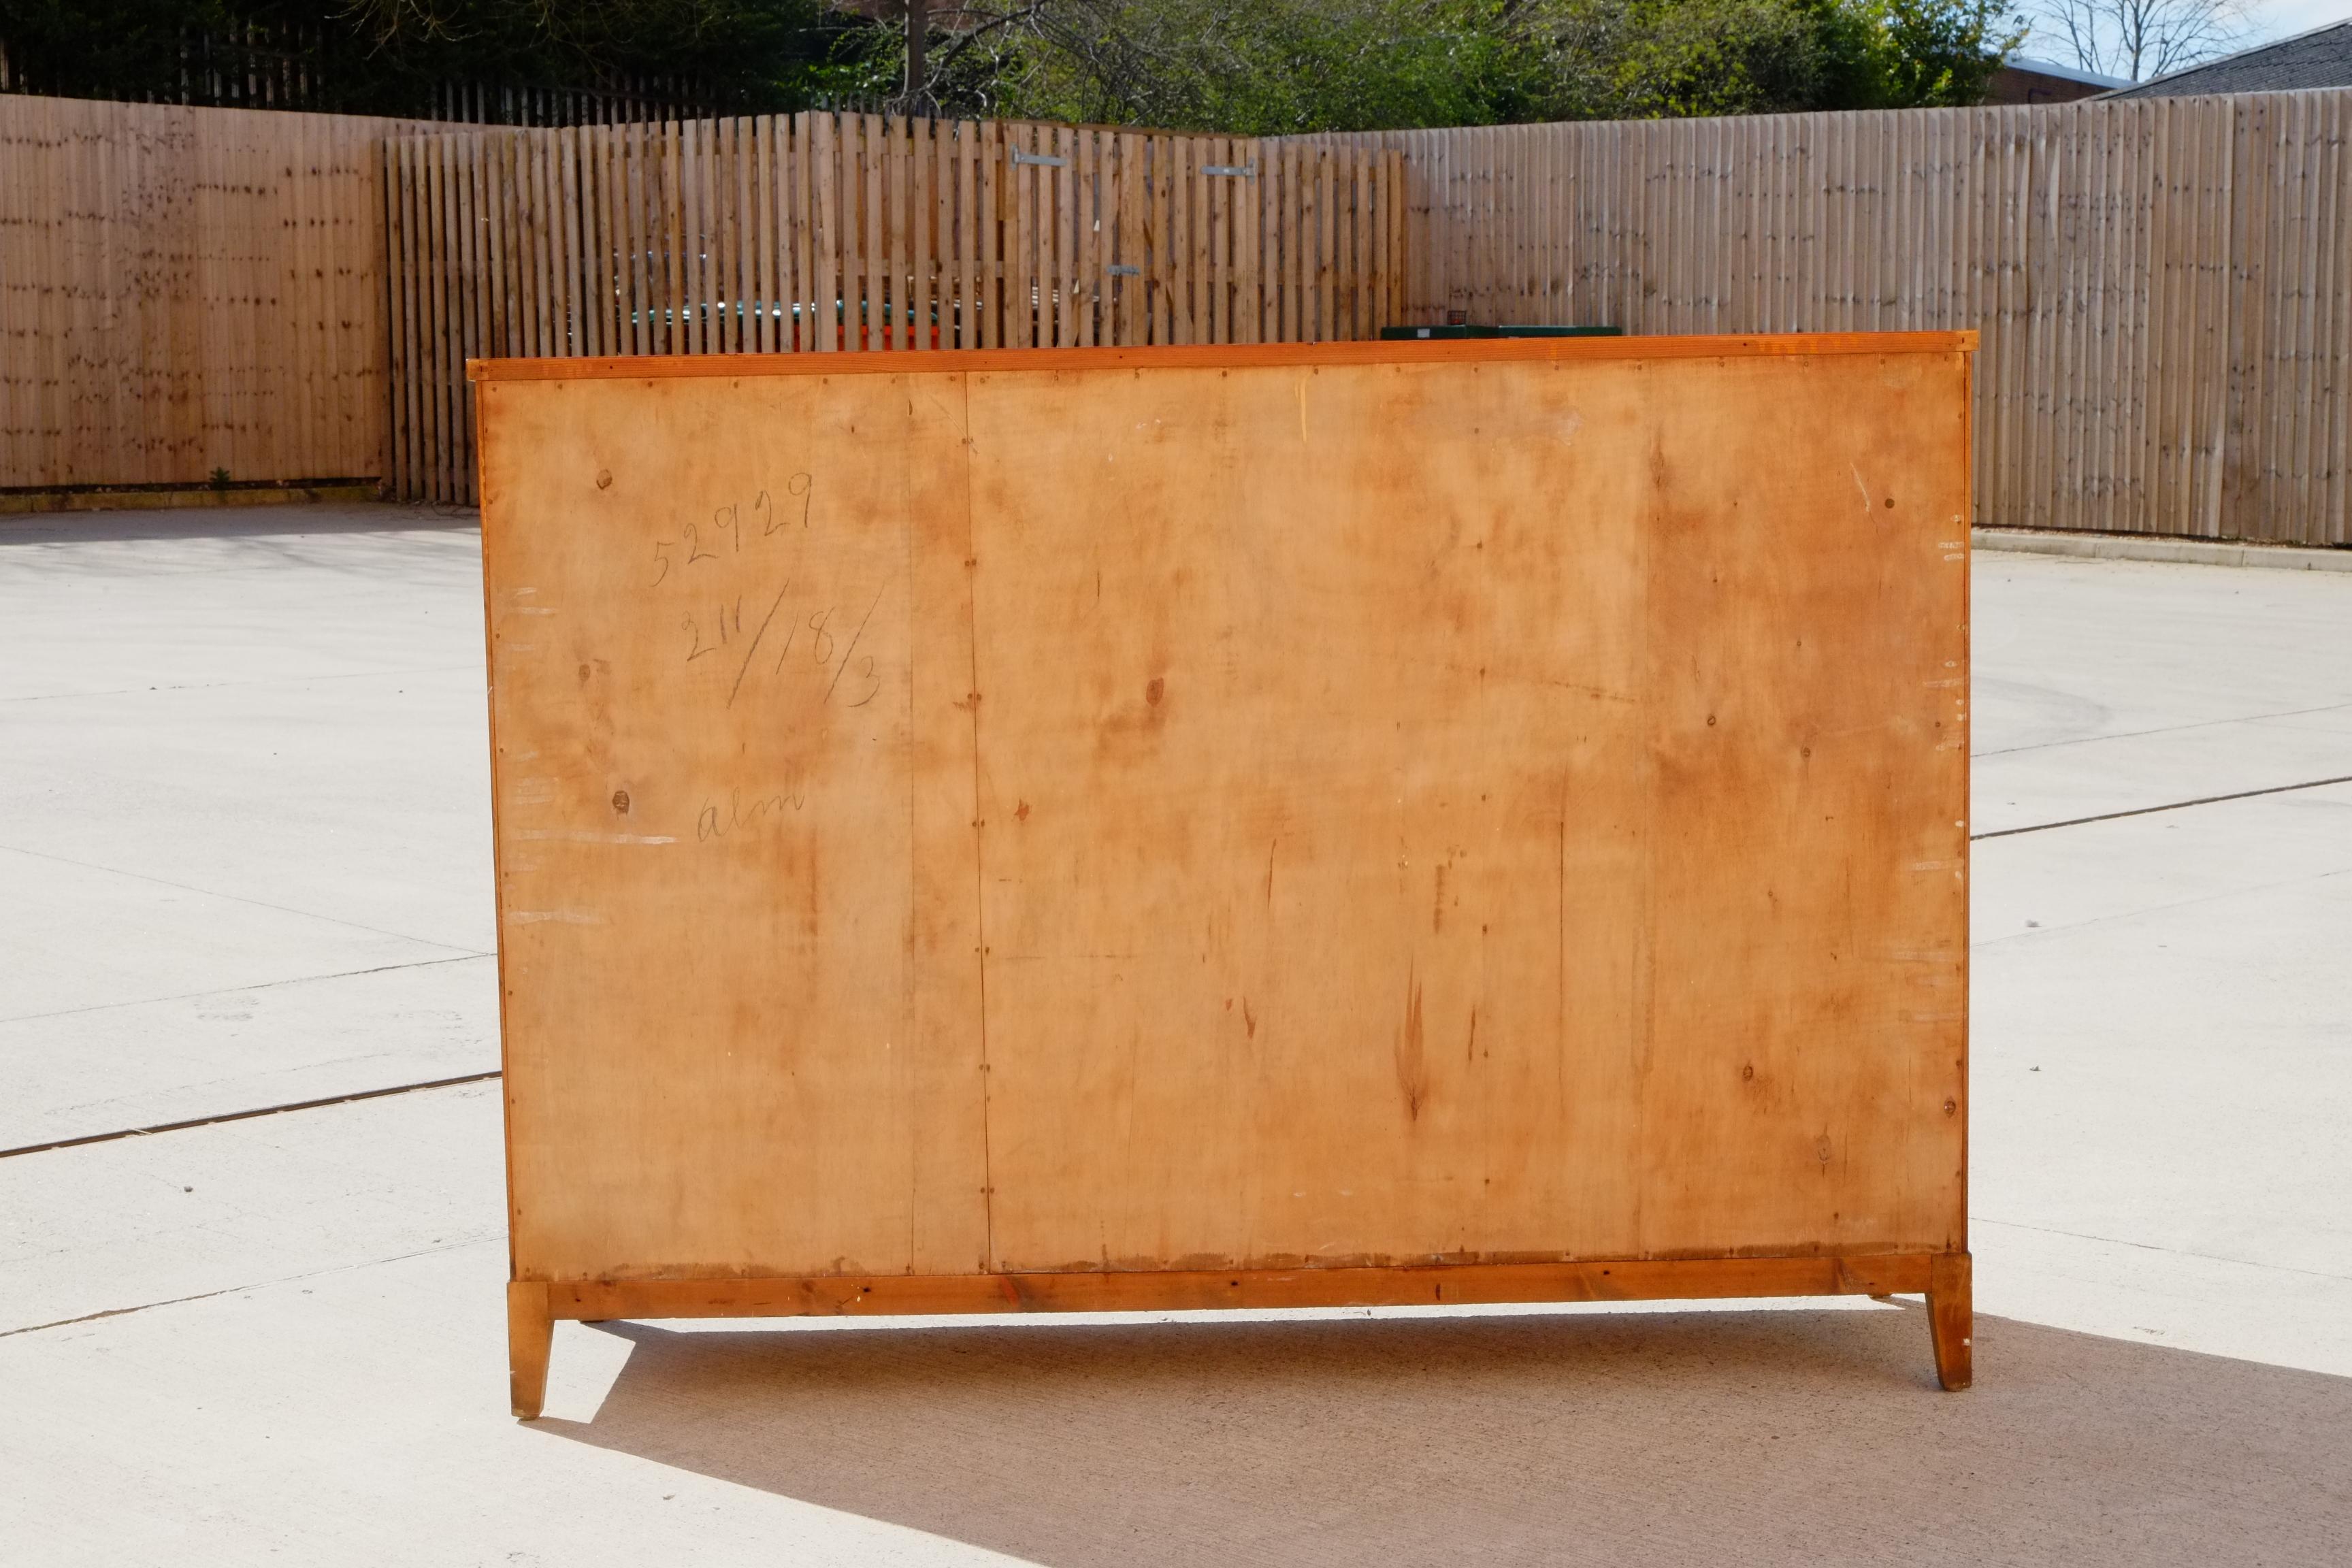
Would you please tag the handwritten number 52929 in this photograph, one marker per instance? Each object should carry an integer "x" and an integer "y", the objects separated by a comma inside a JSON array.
[{"x": 729, "y": 517}]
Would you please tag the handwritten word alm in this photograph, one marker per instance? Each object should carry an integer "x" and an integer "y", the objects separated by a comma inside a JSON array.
[{"x": 718, "y": 822}]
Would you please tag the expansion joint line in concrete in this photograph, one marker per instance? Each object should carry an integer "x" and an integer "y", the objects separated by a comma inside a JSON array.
[
  {"x": 250, "y": 1285},
  {"x": 247, "y": 1115},
  {"x": 2149, "y": 810}
]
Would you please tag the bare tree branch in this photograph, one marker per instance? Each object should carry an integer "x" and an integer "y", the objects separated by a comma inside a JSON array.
[{"x": 2139, "y": 39}]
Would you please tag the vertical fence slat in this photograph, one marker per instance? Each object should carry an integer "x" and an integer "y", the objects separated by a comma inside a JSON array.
[
  {"x": 1158, "y": 236},
  {"x": 472, "y": 317},
  {"x": 1326, "y": 327},
  {"x": 922, "y": 153},
  {"x": 989, "y": 232},
  {"x": 1288, "y": 326},
  {"x": 825, "y": 238},
  {"x": 959, "y": 241},
  {"x": 1021, "y": 271},
  {"x": 572, "y": 329},
  {"x": 436, "y": 184},
  {"x": 802, "y": 207},
  {"x": 959, "y": 234},
  {"x": 890, "y": 291},
  {"x": 399, "y": 157},
  {"x": 872, "y": 152},
  {"x": 629, "y": 231}
]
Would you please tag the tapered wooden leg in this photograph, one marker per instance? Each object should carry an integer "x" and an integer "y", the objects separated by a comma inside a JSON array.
[
  {"x": 1951, "y": 1319},
  {"x": 530, "y": 1332}
]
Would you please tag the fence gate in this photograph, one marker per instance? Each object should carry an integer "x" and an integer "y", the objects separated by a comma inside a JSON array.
[{"x": 823, "y": 232}]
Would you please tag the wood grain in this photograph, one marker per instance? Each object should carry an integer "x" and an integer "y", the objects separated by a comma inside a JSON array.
[
  {"x": 1501, "y": 861},
  {"x": 755, "y": 682},
  {"x": 1149, "y": 815},
  {"x": 1623, "y": 1279},
  {"x": 531, "y": 1331},
  {"x": 1951, "y": 1319}
]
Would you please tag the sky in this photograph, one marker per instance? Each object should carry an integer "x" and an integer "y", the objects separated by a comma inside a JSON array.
[{"x": 2282, "y": 19}]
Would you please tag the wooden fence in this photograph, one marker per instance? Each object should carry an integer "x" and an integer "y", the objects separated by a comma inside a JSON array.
[
  {"x": 2164, "y": 285},
  {"x": 189, "y": 290},
  {"x": 823, "y": 232}
]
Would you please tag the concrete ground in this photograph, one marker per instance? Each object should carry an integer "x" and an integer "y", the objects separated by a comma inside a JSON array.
[{"x": 244, "y": 862}]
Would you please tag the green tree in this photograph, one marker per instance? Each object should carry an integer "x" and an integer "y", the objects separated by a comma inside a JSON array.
[
  {"x": 389, "y": 55},
  {"x": 1940, "y": 54},
  {"x": 1645, "y": 58},
  {"x": 1261, "y": 67},
  {"x": 1248, "y": 66},
  {"x": 737, "y": 54}
]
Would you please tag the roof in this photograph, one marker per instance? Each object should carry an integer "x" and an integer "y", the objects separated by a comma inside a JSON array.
[
  {"x": 2027, "y": 64},
  {"x": 2320, "y": 57}
]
